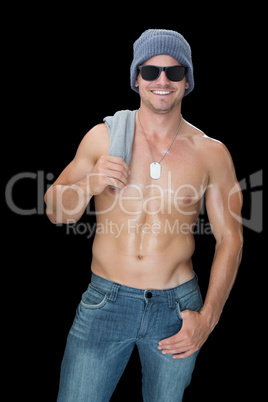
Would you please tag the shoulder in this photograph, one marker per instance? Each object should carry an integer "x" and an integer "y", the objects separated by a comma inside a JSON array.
[
  {"x": 202, "y": 140},
  {"x": 98, "y": 132},
  {"x": 212, "y": 150},
  {"x": 219, "y": 164},
  {"x": 214, "y": 155},
  {"x": 95, "y": 143},
  {"x": 217, "y": 158}
]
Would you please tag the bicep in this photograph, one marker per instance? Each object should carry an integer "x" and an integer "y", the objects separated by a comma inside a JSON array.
[
  {"x": 223, "y": 197},
  {"x": 75, "y": 171},
  {"x": 94, "y": 144}
]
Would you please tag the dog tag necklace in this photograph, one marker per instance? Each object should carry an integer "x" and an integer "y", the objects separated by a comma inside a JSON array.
[{"x": 155, "y": 167}]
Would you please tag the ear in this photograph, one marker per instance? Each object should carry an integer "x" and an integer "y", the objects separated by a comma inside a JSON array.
[
  {"x": 187, "y": 85},
  {"x": 136, "y": 83}
]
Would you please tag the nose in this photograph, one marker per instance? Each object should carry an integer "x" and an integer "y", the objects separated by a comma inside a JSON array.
[{"x": 162, "y": 79}]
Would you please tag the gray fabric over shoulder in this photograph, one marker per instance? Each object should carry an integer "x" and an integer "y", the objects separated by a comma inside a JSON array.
[{"x": 121, "y": 129}]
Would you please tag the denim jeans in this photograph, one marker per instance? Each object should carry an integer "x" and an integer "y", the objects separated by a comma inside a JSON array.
[{"x": 110, "y": 320}]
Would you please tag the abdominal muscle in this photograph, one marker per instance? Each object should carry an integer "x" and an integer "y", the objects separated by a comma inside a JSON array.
[{"x": 147, "y": 254}]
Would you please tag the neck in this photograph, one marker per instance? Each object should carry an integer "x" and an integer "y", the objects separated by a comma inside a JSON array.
[{"x": 160, "y": 124}]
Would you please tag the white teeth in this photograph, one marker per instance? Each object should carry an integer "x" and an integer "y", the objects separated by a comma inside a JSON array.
[{"x": 161, "y": 92}]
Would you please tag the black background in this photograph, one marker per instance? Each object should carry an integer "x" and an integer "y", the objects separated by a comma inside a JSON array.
[{"x": 66, "y": 69}]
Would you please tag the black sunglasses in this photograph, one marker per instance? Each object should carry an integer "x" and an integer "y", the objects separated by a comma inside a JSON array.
[{"x": 152, "y": 73}]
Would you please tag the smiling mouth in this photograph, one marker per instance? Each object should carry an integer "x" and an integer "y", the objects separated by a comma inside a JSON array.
[{"x": 162, "y": 92}]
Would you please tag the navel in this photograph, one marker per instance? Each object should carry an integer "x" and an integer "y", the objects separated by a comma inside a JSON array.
[{"x": 140, "y": 257}]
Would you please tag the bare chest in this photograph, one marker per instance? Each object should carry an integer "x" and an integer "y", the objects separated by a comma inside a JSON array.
[
  {"x": 179, "y": 189},
  {"x": 183, "y": 176}
]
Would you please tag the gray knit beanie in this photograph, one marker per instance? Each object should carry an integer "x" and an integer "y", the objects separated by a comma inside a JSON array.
[{"x": 154, "y": 42}]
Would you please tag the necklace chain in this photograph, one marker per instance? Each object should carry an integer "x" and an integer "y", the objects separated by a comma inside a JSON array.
[{"x": 148, "y": 141}]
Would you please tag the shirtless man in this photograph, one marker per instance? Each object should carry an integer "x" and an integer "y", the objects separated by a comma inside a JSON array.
[{"x": 143, "y": 290}]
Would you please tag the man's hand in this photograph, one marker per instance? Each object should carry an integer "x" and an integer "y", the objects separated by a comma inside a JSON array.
[
  {"x": 189, "y": 339},
  {"x": 108, "y": 171}
]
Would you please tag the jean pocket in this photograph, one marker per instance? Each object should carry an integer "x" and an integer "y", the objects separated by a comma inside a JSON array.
[
  {"x": 193, "y": 301},
  {"x": 93, "y": 298}
]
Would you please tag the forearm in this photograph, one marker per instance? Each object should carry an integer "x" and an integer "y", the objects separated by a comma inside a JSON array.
[
  {"x": 223, "y": 273},
  {"x": 67, "y": 203}
]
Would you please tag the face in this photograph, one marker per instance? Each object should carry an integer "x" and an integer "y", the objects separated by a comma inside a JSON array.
[{"x": 161, "y": 95}]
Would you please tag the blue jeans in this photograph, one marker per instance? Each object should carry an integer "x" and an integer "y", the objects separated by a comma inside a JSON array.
[{"x": 110, "y": 320}]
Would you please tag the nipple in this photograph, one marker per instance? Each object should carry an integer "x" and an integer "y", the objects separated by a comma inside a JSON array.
[
  {"x": 112, "y": 190},
  {"x": 187, "y": 200}
]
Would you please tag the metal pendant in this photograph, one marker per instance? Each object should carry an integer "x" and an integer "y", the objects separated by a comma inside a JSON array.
[{"x": 155, "y": 170}]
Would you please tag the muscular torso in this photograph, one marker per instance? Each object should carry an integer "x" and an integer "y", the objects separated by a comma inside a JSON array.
[{"x": 144, "y": 232}]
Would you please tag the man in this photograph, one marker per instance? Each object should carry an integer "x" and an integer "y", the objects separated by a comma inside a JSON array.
[{"x": 148, "y": 171}]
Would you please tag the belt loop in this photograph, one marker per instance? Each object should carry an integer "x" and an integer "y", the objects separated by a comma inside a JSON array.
[
  {"x": 171, "y": 301},
  {"x": 113, "y": 295}
]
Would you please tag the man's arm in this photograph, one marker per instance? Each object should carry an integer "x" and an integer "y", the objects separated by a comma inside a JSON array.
[
  {"x": 224, "y": 203},
  {"x": 90, "y": 172}
]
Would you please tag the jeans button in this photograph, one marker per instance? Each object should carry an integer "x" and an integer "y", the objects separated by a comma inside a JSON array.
[{"x": 149, "y": 295}]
